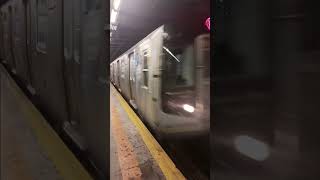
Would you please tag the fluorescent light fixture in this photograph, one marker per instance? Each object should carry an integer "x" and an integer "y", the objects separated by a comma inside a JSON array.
[
  {"x": 171, "y": 53},
  {"x": 113, "y": 16},
  {"x": 188, "y": 108},
  {"x": 116, "y": 4},
  {"x": 252, "y": 148}
]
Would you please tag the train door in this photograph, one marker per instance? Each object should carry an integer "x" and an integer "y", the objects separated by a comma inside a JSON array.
[
  {"x": 27, "y": 7},
  {"x": 202, "y": 51},
  {"x": 118, "y": 74},
  {"x": 39, "y": 20},
  {"x": 11, "y": 39},
  {"x": 114, "y": 73},
  {"x": 1, "y": 37},
  {"x": 20, "y": 48},
  {"x": 68, "y": 57},
  {"x": 16, "y": 50},
  {"x": 111, "y": 73},
  {"x": 6, "y": 40},
  {"x": 144, "y": 88},
  {"x": 132, "y": 78}
]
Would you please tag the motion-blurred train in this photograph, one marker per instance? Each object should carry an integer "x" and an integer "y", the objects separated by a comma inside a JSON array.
[
  {"x": 55, "y": 49},
  {"x": 166, "y": 78}
]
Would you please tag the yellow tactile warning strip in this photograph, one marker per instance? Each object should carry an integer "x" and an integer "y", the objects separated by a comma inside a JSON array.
[
  {"x": 128, "y": 161},
  {"x": 168, "y": 168},
  {"x": 65, "y": 162}
]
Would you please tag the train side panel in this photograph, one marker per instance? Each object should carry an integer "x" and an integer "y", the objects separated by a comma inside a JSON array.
[
  {"x": 139, "y": 75},
  {"x": 117, "y": 72},
  {"x": 47, "y": 62},
  {"x": 36, "y": 64},
  {"x": 93, "y": 87},
  {"x": 19, "y": 43},
  {"x": 155, "y": 83},
  {"x": 11, "y": 24},
  {"x": 56, "y": 90},
  {"x": 8, "y": 36},
  {"x": 1, "y": 36},
  {"x": 122, "y": 75}
]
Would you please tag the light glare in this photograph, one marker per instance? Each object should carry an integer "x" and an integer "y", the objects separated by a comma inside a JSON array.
[
  {"x": 116, "y": 4},
  {"x": 171, "y": 53},
  {"x": 188, "y": 108},
  {"x": 113, "y": 16},
  {"x": 252, "y": 148}
]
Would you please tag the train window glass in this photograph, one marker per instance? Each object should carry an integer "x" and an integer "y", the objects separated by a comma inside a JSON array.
[
  {"x": 93, "y": 4},
  {"x": 122, "y": 67},
  {"x": 179, "y": 67},
  {"x": 118, "y": 72},
  {"x": 42, "y": 25},
  {"x": 178, "y": 75},
  {"x": 145, "y": 60},
  {"x": 15, "y": 21},
  {"x": 145, "y": 68},
  {"x": 205, "y": 48},
  {"x": 131, "y": 64}
]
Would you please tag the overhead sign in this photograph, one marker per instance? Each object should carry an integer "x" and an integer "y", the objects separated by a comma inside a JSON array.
[{"x": 207, "y": 23}]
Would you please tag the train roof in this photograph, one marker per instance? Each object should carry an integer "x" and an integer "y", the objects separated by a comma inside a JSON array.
[{"x": 148, "y": 36}]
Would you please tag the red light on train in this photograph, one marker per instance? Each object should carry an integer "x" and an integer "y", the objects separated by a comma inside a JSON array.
[{"x": 207, "y": 23}]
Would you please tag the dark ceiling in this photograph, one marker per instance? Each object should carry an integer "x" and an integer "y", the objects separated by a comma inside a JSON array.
[{"x": 137, "y": 18}]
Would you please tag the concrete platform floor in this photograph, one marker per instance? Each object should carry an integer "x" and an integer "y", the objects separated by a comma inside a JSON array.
[
  {"x": 131, "y": 154},
  {"x": 30, "y": 149},
  {"x": 21, "y": 155}
]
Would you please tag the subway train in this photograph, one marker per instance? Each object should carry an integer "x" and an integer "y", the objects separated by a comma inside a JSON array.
[
  {"x": 166, "y": 79},
  {"x": 55, "y": 50}
]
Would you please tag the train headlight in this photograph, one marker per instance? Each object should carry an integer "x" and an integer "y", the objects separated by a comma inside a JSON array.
[{"x": 188, "y": 108}]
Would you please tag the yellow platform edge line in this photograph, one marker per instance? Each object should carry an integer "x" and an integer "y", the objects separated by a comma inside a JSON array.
[
  {"x": 63, "y": 159},
  {"x": 170, "y": 171}
]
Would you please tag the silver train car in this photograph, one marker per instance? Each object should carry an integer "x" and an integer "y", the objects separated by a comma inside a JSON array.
[{"x": 166, "y": 78}]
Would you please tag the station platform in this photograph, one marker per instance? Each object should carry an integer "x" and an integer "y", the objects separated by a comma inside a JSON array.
[
  {"x": 30, "y": 148},
  {"x": 134, "y": 152}
]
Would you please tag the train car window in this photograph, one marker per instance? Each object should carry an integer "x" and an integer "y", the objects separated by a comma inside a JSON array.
[
  {"x": 42, "y": 25},
  {"x": 118, "y": 72},
  {"x": 122, "y": 67},
  {"x": 92, "y": 5},
  {"x": 52, "y": 4},
  {"x": 15, "y": 24},
  {"x": 145, "y": 68},
  {"x": 77, "y": 31},
  {"x": 178, "y": 76},
  {"x": 178, "y": 66},
  {"x": 206, "y": 57}
]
